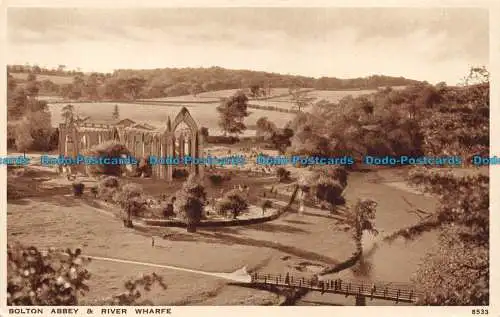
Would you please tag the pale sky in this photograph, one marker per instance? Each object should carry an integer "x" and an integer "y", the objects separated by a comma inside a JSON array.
[{"x": 424, "y": 44}]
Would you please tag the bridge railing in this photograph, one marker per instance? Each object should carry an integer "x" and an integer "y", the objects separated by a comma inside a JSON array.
[{"x": 340, "y": 286}]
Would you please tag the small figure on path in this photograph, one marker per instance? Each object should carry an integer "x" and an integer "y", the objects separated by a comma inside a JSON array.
[{"x": 152, "y": 241}]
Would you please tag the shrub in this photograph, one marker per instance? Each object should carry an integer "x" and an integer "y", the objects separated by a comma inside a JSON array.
[
  {"x": 127, "y": 193},
  {"x": 107, "y": 188},
  {"x": 180, "y": 173},
  {"x": 282, "y": 174},
  {"x": 57, "y": 278},
  {"x": 265, "y": 205},
  {"x": 217, "y": 179},
  {"x": 232, "y": 202},
  {"x": 78, "y": 189},
  {"x": 44, "y": 278},
  {"x": 110, "y": 181}
]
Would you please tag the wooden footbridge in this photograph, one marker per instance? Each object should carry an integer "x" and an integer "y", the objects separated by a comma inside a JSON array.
[{"x": 361, "y": 290}]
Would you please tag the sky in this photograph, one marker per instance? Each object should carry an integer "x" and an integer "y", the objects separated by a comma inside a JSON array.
[{"x": 435, "y": 45}]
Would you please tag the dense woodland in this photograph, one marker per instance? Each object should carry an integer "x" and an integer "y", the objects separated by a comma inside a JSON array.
[{"x": 126, "y": 84}]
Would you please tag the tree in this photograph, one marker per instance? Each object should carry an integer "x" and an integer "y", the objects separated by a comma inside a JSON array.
[
  {"x": 24, "y": 140},
  {"x": 281, "y": 139},
  {"x": 255, "y": 90},
  {"x": 265, "y": 128},
  {"x": 16, "y": 103},
  {"x": 299, "y": 98},
  {"x": 232, "y": 112},
  {"x": 204, "y": 132},
  {"x": 282, "y": 174},
  {"x": 116, "y": 113},
  {"x": 265, "y": 205},
  {"x": 190, "y": 202},
  {"x": 90, "y": 87},
  {"x": 359, "y": 219},
  {"x": 32, "y": 86},
  {"x": 232, "y": 202},
  {"x": 130, "y": 198},
  {"x": 133, "y": 85},
  {"x": 68, "y": 113}
]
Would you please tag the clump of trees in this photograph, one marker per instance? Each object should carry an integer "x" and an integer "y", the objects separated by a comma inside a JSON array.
[
  {"x": 326, "y": 185},
  {"x": 59, "y": 278},
  {"x": 29, "y": 119},
  {"x": 190, "y": 202},
  {"x": 421, "y": 119},
  {"x": 233, "y": 203}
]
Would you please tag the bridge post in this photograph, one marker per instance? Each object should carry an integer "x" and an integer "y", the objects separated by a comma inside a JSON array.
[{"x": 360, "y": 300}]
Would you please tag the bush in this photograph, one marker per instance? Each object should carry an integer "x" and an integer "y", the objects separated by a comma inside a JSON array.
[
  {"x": 107, "y": 188},
  {"x": 180, "y": 173},
  {"x": 265, "y": 205},
  {"x": 127, "y": 194},
  {"x": 217, "y": 179},
  {"x": 57, "y": 278},
  {"x": 44, "y": 278},
  {"x": 282, "y": 174},
  {"x": 232, "y": 202},
  {"x": 109, "y": 181},
  {"x": 78, "y": 189},
  {"x": 329, "y": 190},
  {"x": 112, "y": 150}
]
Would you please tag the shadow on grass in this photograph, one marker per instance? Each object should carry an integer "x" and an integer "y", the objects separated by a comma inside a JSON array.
[
  {"x": 298, "y": 222},
  {"x": 228, "y": 239},
  {"x": 274, "y": 227}
]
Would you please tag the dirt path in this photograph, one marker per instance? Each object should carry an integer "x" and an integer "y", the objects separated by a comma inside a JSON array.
[{"x": 240, "y": 275}]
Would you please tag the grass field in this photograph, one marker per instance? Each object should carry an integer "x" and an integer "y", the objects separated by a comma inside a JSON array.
[
  {"x": 204, "y": 114},
  {"x": 59, "y": 80}
]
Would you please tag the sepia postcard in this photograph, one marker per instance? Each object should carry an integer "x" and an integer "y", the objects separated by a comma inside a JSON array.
[{"x": 243, "y": 156}]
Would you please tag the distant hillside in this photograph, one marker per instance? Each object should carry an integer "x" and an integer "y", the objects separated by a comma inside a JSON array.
[{"x": 126, "y": 84}]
